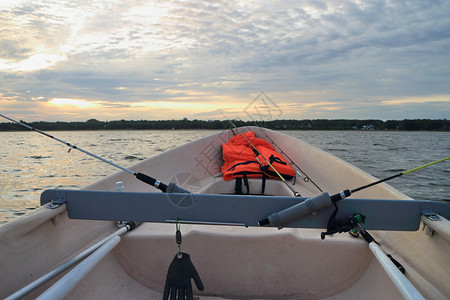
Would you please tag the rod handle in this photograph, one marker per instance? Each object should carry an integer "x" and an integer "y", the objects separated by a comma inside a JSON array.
[
  {"x": 339, "y": 196},
  {"x": 151, "y": 181},
  {"x": 308, "y": 206}
]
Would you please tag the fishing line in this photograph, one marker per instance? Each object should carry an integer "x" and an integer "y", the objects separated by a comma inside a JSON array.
[
  {"x": 142, "y": 177},
  {"x": 306, "y": 178},
  {"x": 296, "y": 194},
  {"x": 346, "y": 193}
]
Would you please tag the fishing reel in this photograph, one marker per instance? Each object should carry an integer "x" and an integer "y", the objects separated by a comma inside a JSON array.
[{"x": 342, "y": 225}]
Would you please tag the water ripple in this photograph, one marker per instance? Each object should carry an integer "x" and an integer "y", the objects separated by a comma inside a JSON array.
[{"x": 27, "y": 171}]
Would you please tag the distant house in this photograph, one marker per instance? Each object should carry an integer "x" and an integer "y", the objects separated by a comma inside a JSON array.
[{"x": 368, "y": 127}]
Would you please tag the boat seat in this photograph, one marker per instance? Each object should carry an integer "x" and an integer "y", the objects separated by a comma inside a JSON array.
[{"x": 241, "y": 210}]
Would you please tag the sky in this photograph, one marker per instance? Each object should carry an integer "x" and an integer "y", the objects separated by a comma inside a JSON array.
[{"x": 76, "y": 60}]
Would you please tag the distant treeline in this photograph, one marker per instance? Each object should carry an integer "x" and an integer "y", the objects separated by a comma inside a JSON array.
[{"x": 319, "y": 124}]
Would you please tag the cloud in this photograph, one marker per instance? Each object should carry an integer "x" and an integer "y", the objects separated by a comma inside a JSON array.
[
  {"x": 12, "y": 49},
  {"x": 361, "y": 52}
]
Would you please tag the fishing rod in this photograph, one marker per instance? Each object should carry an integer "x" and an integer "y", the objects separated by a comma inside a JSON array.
[
  {"x": 296, "y": 194},
  {"x": 171, "y": 188},
  {"x": 312, "y": 205},
  {"x": 306, "y": 178},
  {"x": 346, "y": 193}
]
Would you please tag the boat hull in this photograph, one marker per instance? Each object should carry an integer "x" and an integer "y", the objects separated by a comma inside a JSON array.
[{"x": 233, "y": 261}]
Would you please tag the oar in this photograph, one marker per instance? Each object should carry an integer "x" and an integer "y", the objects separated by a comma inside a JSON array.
[
  {"x": 68, "y": 282},
  {"x": 296, "y": 194},
  {"x": 392, "y": 268},
  {"x": 172, "y": 187},
  {"x": 311, "y": 205},
  {"x": 69, "y": 263}
]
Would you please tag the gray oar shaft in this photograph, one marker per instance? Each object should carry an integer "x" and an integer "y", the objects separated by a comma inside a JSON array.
[
  {"x": 63, "y": 286},
  {"x": 64, "y": 266}
]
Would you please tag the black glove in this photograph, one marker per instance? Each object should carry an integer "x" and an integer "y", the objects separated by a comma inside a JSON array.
[{"x": 178, "y": 279}]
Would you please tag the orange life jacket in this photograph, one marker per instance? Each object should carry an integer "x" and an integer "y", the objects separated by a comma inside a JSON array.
[{"x": 241, "y": 160}]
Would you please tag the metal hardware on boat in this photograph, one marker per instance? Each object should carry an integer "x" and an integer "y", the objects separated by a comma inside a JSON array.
[
  {"x": 438, "y": 223},
  {"x": 178, "y": 239},
  {"x": 428, "y": 230},
  {"x": 430, "y": 215},
  {"x": 433, "y": 217},
  {"x": 60, "y": 199},
  {"x": 206, "y": 223}
]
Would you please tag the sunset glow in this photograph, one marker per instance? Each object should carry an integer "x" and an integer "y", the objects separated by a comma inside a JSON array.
[
  {"x": 73, "y": 102},
  {"x": 174, "y": 59},
  {"x": 420, "y": 100}
]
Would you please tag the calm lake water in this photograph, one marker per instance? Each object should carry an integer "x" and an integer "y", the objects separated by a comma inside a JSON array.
[{"x": 31, "y": 163}]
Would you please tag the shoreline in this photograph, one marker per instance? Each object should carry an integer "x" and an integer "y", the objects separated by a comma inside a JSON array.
[{"x": 185, "y": 124}]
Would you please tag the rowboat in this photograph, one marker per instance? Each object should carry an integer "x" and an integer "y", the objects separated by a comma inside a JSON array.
[{"x": 250, "y": 245}]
